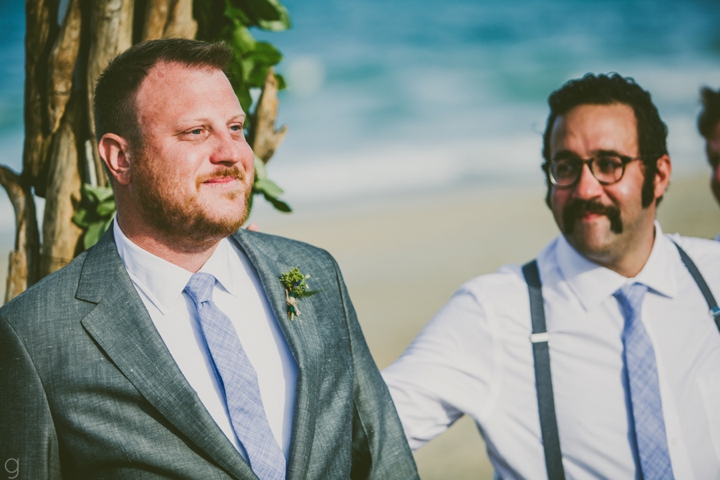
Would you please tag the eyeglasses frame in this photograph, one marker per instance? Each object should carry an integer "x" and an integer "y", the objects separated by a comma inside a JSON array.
[{"x": 623, "y": 158}]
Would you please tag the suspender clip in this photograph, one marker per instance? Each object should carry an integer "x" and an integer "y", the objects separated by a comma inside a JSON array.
[{"x": 543, "y": 337}]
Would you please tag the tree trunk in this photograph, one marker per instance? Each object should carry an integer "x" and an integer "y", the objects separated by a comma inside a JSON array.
[
  {"x": 61, "y": 236},
  {"x": 23, "y": 261}
]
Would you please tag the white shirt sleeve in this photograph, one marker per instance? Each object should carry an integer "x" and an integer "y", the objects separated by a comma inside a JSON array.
[{"x": 450, "y": 368}]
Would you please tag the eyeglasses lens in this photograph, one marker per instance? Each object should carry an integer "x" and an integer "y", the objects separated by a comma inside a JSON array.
[{"x": 606, "y": 168}]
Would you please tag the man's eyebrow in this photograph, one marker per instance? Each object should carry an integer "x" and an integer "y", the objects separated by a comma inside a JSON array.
[
  {"x": 567, "y": 154},
  {"x": 564, "y": 155},
  {"x": 239, "y": 116}
]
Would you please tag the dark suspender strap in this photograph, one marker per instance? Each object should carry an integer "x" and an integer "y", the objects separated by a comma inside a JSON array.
[
  {"x": 543, "y": 379},
  {"x": 702, "y": 285}
]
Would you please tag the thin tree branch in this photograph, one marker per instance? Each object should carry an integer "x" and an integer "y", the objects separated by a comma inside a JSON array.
[
  {"x": 110, "y": 34},
  {"x": 267, "y": 139},
  {"x": 181, "y": 23},
  {"x": 40, "y": 35},
  {"x": 61, "y": 65},
  {"x": 22, "y": 268}
]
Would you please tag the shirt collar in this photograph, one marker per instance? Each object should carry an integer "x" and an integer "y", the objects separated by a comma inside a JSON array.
[
  {"x": 163, "y": 282},
  {"x": 592, "y": 283}
]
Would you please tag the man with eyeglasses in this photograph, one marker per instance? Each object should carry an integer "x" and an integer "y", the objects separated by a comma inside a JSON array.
[{"x": 601, "y": 358}]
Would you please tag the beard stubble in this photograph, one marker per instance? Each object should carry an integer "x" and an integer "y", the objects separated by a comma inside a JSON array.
[{"x": 181, "y": 218}]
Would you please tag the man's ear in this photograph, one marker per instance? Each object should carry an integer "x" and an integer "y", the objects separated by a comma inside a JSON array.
[
  {"x": 115, "y": 152},
  {"x": 662, "y": 176}
]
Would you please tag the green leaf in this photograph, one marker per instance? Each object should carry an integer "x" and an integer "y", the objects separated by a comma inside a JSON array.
[
  {"x": 278, "y": 204},
  {"x": 260, "y": 172},
  {"x": 106, "y": 208},
  {"x": 257, "y": 76},
  {"x": 236, "y": 14},
  {"x": 81, "y": 218},
  {"x": 243, "y": 94},
  {"x": 282, "y": 85},
  {"x": 242, "y": 40},
  {"x": 97, "y": 194},
  {"x": 93, "y": 234},
  {"x": 266, "y": 53},
  {"x": 268, "y": 187},
  {"x": 268, "y": 14},
  {"x": 250, "y": 205},
  {"x": 107, "y": 223}
]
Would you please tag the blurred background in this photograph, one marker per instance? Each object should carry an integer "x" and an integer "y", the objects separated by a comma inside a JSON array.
[{"x": 414, "y": 141}]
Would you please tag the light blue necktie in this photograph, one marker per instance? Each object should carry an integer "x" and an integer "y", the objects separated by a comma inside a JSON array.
[
  {"x": 644, "y": 387},
  {"x": 239, "y": 382}
]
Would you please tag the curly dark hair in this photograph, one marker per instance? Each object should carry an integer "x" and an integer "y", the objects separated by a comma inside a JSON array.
[
  {"x": 115, "y": 90},
  {"x": 710, "y": 113},
  {"x": 605, "y": 90}
]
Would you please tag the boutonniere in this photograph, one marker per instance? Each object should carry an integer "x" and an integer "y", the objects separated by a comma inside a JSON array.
[{"x": 295, "y": 289}]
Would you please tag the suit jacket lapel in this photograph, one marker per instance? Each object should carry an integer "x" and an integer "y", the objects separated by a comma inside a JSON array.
[
  {"x": 121, "y": 325},
  {"x": 302, "y": 337}
]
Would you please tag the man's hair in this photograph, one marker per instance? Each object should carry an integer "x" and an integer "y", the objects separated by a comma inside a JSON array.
[
  {"x": 606, "y": 90},
  {"x": 115, "y": 91},
  {"x": 710, "y": 113}
]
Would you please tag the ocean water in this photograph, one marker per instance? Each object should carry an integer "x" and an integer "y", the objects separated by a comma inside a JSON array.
[{"x": 393, "y": 96}]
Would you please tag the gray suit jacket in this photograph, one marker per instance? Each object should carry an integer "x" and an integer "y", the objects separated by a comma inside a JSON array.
[{"x": 88, "y": 389}]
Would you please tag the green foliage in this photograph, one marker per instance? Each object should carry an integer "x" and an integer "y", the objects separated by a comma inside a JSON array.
[
  {"x": 95, "y": 214},
  {"x": 229, "y": 21},
  {"x": 267, "y": 188},
  {"x": 294, "y": 283},
  {"x": 295, "y": 289}
]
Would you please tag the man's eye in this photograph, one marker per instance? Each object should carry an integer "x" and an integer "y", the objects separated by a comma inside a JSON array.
[
  {"x": 565, "y": 168},
  {"x": 607, "y": 164},
  {"x": 195, "y": 131},
  {"x": 236, "y": 128}
]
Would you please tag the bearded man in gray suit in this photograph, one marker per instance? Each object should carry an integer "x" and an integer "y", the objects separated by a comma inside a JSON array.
[{"x": 167, "y": 350}]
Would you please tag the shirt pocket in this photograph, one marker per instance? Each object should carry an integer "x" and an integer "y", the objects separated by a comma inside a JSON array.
[{"x": 709, "y": 386}]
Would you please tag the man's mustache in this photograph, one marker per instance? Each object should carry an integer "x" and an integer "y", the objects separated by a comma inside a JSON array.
[
  {"x": 224, "y": 172},
  {"x": 577, "y": 208}
]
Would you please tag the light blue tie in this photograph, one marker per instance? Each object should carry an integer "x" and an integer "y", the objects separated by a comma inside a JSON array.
[
  {"x": 239, "y": 382},
  {"x": 644, "y": 387}
]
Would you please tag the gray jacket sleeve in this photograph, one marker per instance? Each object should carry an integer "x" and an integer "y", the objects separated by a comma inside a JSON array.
[{"x": 28, "y": 441}]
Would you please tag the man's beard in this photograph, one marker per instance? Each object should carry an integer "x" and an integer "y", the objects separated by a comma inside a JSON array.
[
  {"x": 184, "y": 219},
  {"x": 577, "y": 208}
]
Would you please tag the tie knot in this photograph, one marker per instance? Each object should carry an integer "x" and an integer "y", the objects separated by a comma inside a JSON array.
[
  {"x": 200, "y": 287},
  {"x": 631, "y": 298}
]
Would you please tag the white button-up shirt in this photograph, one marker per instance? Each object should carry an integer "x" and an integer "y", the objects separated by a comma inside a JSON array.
[
  {"x": 239, "y": 294},
  {"x": 475, "y": 358}
]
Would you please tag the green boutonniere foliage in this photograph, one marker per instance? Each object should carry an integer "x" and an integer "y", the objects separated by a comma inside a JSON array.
[{"x": 295, "y": 289}]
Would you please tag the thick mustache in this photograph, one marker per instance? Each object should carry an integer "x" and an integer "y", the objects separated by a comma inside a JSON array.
[
  {"x": 231, "y": 172},
  {"x": 577, "y": 208}
]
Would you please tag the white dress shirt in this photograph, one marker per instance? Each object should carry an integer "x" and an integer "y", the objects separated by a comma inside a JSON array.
[
  {"x": 475, "y": 358},
  {"x": 239, "y": 294}
]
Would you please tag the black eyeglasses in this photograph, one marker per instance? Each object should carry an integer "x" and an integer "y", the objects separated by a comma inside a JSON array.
[{"x": 607, "y": 168}]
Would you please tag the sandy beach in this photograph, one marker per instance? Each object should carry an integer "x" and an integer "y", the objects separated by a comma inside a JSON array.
[{"x": 403, "y": 258}]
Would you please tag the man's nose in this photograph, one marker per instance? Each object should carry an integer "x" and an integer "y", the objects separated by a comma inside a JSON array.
[
  {"x": 227, "y": 149},
  {"x": 587, "y": 185}
]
